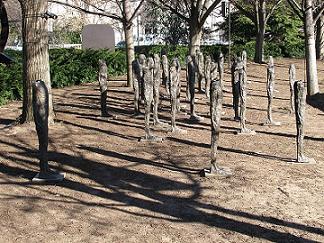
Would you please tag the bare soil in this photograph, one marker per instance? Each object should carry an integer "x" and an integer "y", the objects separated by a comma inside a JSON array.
[{"x": 118, "y": 189}]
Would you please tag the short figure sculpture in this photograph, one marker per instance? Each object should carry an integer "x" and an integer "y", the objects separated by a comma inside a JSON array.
[
  {"x": 300, "y": 103},
  {"x": 148, "y": 98},
  {"x": 103, "y": 76},
  {"x": 174, "y": 94},
  {"x": 207, "y": 75},
  {"x": 142, "y": 62},
  {"x": 191, "y": 67},
  {"x": 270, "y": 90},
  {"x": 242, "y": 77},
  {"x": 216, "y": 101},
  {"x": 40, "y": 112},
  {"x": 292, "y": 79},
  {"x": 221, "y": 67}
]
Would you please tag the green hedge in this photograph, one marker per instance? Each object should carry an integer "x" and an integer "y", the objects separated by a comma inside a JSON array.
[{"x": 68, "y": 67}]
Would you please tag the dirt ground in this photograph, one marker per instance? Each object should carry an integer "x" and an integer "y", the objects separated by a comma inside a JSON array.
[{"x": 120, "y": 190}]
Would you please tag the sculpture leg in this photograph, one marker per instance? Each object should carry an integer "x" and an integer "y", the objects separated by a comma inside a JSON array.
[
  {"x": 193, "y": 115},
  {"x": 207, "y": 87},
  {"x": 136, "y": 98}
]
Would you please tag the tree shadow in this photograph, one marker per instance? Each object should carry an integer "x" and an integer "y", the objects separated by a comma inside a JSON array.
[
  {"x": 316, "y": 101},
  {"x": 132, "y": 188}
]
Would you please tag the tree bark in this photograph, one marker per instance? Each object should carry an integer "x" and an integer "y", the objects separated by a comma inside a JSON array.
[
  {"x": 130, "y": 53},
  {"x": 4, "y": 26},
  {"x": 310, "y": 50},
  {"x": 320, "y": 38},
  {"x": 260, "y": 10},
  {"x": 35, "y": 54},
  {"x": 195, "y": 33}
]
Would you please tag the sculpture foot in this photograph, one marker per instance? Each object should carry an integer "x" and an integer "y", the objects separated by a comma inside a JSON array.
[
  {"x": 158, "y": 123},
  {"x": 196, "y": 118},
  {"x": 109, "y": 116},
  {"x": 48, "y": 177},
  {"x": 245, "y": 131},
  {"x": 237, "y": 118},
  {"x": 178, "y": 130},
  {"x": 151, "y": 138},
  {"x": 306, "y": 160},
  {"x": 215, "y": 171},
  {"x": 271, "y": 123},
  {"x": 137, "y": 113}
]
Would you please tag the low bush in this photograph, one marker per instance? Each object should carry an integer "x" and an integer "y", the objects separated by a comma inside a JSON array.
[{"x": 67, "y": 67}]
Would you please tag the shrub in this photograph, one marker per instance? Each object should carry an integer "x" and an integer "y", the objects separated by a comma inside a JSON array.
[{"x": 67, "y": 67}]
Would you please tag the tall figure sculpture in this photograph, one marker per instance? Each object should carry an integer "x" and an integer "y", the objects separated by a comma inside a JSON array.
[
  {"x": 165, "y": 73},
  {"x": 300, "y": 103},
  {"x": 103, "y": 76},
  {"x": 207, "y": 75},
  {"x": 236, "y": 87},
  {"x": 292, "y": 79},
  {"x": 270, "y": 90},
  {"x": 174, "y": 94},
  {"x": 178, "y": 67},
  {"x": 156, "y": 88},
  {"x": 188, "y": 59},
  {"x": 148, "y": 98},
  {"x": 191, "y": 67},
  {"x": 137, "y": 85},
  {"x": 40, "y": 112},
  {"x": 216, "y": 101},
  {"x": 242, "y": 77}
]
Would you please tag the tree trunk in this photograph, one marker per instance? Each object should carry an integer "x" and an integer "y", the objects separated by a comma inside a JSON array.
[
  {"x": 4, "y": 26},
  {"x": 260, "y": 9},
  {"x": 195, "y": 33},
  {"x": 311, "y": 65},
  {"x": 130, "y": 53},
  {"x": 320, "y": 38},
  {"x": 35, "y": 54}
]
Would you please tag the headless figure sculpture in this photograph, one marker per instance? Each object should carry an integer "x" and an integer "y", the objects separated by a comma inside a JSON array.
[
  {"x": 242, "y": 77},
  {"x": 221, "y": 68},
  {"x": 142, "y": 62},
  {"x": 292, "y": 79},
  {"x": 201, "y": 70},
  {"x": 103, "y": 75},
  {"x": 270, "y": 90},
  {"x": 148, "y": 98},
  {"x": 207, "y": 75},
  {"x": 235, "y": 89},
  {"x": 300, "y": 103},
  {"x": 156, "y": 88},
  {"x": 165, "y": 73},
  {"x": 178, "y": 67},
  {"x": 40, "y": 112},
  {"x": 174, "y": 94},
  {"x": 191, "y": 67},
  {"x": 216, "y": 101},
  {"x": 188, "y": 59},
  {"x": 137, "y": 83}
]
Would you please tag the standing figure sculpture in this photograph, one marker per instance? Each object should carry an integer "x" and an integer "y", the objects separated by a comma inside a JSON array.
[
  {"x": 292, "y": 79},
  {"x": 165, "y": 73},
  {"x": 174, "y": 94},
  {"x": 207, "y": 75},
  {"x": 216, "y": 102},
  {"x": 148, "y": 98},
  {"x": 300, "y": 105},
  {"x": 270, "y": 90},
  {"x": 242, "y": 77},
  {"x": 221, "y": 67},
  {"x": 137, "y": 85},
  {"x": 156, "y": 88},
  {"x": 142, "y": 62},
  {"x": 178, "y": 66},
  {"x": 201, "y": 76},
  {"x": 188, "y": 59},
  {"x": 103, "y": 76},
  {"x": 191, "y": 67},
  {"x": 236, "y": 88},
  {"x": 40, "y": 112}
]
